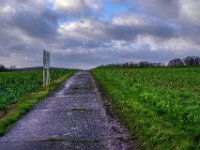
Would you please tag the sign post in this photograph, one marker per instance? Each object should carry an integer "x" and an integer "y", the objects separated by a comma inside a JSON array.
[{"x": 46, "y": 67}]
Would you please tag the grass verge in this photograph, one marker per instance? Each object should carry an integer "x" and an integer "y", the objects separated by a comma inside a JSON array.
[
  {"x": 24, "y": 105},
  {"x": 159, "y": 106}
]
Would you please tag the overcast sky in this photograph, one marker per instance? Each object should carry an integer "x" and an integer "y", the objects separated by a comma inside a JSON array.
[{"x": 88, "y": 33}]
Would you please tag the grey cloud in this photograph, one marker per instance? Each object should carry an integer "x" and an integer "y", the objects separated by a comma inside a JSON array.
[
  {"x": 146, "y": 54},
  {"x": 85, "y": 60},
  {"x": 190, "y": 32},
  {"x": 43, "y": 25},
  {"x": 124, "y": 32},
  {"x": 161, "y": 8}
]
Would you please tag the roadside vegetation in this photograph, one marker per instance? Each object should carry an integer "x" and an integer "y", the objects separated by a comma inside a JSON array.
[
  {"x": 21, "y": 90},
  {"x": 160, "y": 107}
]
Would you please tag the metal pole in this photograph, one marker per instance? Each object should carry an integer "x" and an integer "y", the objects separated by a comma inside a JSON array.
[
  {"x": 48, "y": 71},
  {"x": 44, "y": 80},
  {"x": 46, "y": 67}
]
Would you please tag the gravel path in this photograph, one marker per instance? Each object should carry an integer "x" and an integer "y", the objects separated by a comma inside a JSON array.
[{"x": 73, "y": 118}]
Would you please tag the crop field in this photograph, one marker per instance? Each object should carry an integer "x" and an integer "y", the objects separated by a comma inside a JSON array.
[
  {"x": 160, "y": 107},
  {"x": 14, "y": 85}
]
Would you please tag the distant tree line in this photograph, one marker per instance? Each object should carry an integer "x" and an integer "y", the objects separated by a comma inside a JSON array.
[
  {"x": 188, "y": 61},
  {"x": 137, "y": 65},
  {"x": 14, "y": 68},
  {"x": 177, "y": 62},
  {"x": 5, "y": 69}
]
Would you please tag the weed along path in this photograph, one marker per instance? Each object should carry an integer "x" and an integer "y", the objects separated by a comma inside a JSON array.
[{"x": 73, "y": 118}]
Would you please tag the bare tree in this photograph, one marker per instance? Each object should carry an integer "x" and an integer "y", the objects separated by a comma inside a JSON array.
[
  {"x": 192, "y": 61},
  {"x": 177, "y": 62}
]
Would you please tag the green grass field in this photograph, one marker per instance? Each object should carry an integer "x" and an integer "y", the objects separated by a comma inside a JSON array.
[
  {"x": 14, "y": 85},
  {"x": 160, "y": 107}
]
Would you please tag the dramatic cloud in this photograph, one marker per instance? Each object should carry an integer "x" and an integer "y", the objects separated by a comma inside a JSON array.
[{"x": 88, "y": 33}]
